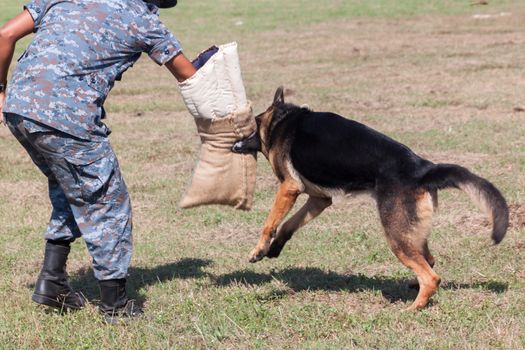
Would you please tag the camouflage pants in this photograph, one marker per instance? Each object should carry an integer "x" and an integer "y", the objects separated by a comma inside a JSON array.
[{"x": 87, "y": 193}]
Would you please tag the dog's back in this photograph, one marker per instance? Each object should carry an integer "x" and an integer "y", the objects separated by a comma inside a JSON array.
[{"x": 335, "y": 152}]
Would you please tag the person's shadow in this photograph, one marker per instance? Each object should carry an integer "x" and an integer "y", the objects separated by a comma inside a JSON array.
[{"x": 139, "y": 277}]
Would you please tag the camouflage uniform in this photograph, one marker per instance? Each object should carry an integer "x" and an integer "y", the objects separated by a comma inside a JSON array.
[{"x": 54, "y": 107}]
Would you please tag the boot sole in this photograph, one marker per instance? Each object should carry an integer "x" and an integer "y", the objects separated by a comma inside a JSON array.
[{"x": 44, "y": 300}]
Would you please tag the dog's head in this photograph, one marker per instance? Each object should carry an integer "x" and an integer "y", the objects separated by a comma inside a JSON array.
[{"x": 266, "y": 121}]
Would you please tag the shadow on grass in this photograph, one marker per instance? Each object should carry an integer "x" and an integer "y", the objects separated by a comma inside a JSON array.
[
  {"x": 297, "y": 279},
  {"x": 300, "y": 279},
  {"x": 83, "y": 280}
]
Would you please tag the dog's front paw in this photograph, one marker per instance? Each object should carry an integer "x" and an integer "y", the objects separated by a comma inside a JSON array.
[
  {"x": 258, "y": 254},
  {"x": 275, "y": 249}
]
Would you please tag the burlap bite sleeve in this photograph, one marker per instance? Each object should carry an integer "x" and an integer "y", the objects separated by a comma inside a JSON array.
[
  {"x": 223, "y": 177},
  {"x": 216, "y": 98}
]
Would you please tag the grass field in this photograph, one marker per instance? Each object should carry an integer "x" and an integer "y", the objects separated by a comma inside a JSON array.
[{"x": 444, "y": 77}]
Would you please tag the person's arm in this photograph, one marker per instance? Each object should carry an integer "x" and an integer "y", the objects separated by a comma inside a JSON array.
[
  {"x": 10, "y": 33},
  {"x": 180, "y": 67}
]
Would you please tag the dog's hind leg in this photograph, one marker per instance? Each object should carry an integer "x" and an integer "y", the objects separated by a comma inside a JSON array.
[
  {"x": 414, "y": 284},
  {"x": 284, "y": 201},
  {"x": 428, "y": 256},
  {"x": 425, "y": 209},
  {"x": 435, "y": 200},
  {"x": 310, "y": 210},
  {"x": 406, "y": 218}
]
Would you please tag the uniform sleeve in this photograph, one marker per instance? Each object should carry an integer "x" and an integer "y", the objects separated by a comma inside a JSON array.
[
  {"x": 164, "y": 49},
  {"x": 160, "y": 44},
  {"x": 37, "y": 9}
]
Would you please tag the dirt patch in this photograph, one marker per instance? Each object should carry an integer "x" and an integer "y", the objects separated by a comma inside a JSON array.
[
  {"x": 517, "y": 217},
  {"x": 476, "y": 220}
]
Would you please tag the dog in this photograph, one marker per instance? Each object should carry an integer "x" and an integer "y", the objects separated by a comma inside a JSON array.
[{"x": 324, "y": 154}]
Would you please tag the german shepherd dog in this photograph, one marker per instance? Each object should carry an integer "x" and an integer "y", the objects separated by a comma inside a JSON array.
[{"x": 324, "y": 154}]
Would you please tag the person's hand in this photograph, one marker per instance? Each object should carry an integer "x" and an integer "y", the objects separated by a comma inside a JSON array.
[{"x": 2, "y": 99}]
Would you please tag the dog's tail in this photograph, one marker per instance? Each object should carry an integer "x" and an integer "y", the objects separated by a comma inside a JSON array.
[{"x": 484, "y": 194}]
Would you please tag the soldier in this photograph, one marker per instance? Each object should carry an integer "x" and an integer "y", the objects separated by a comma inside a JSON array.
[{"x": 54, "y": 107}]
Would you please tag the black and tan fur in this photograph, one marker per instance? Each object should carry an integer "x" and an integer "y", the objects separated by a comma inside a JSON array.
[{"x": 323, "y": 155}]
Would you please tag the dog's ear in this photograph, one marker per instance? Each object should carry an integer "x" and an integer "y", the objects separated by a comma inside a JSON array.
[{"x": 279, "y": 96}]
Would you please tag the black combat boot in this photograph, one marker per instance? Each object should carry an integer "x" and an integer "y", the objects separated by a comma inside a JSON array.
[
  {"x": 52, "y": 288},
  {"x": 114, "y": 302}
]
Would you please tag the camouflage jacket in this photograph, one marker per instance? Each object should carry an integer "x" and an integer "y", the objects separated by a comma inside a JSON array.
[{"x": 80, "y": 48}]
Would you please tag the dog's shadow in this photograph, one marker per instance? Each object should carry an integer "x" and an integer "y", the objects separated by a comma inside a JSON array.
[
  {"x": 301, "y": 279},
  {"x": 295, "y": 278}
]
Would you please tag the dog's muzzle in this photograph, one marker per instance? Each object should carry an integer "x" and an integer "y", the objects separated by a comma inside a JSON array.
[{"x": 250, "y": 144}]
